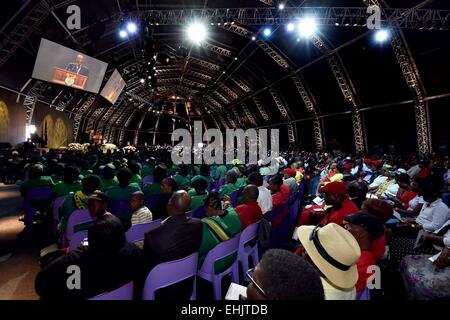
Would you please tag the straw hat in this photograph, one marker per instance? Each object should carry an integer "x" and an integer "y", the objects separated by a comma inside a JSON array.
[{"x": 334, "y": 251}]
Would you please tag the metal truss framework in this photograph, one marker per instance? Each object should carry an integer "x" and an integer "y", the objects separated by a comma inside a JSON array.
[
  {"x": 216, "y": 49},
  {"x": 238, "y": 121},
  {"x": 415, "y": 85},
  {"x": 136, "y": 132},
  {"x": 79, "y": 115},
  {"x": 241, "y": 84},
  {"x": 280, "y": 105},
  {"x": 228, "y": 91},
  {"x": 249, "y": 115},
  {"x": 347, "y": 89},
  {"x": 327, "y": 16},
  {"x": 311, "y": 107},
  {"x": 119, "y": 108},
  {"x": 93, "y": 118},
  {"x": 128, "y": 118},
  {"x": 30, "y": 99},
  {"x": 204, "y": 64},
  {"x": 216, "y": 106},
  {"x": 220, "y": 97},
  {"x": 261, "y": 109}
]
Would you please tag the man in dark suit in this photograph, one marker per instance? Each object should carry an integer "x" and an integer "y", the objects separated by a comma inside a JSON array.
[
  {"x": 177, "y": 237},
  {"x": 78, "y": 67}
]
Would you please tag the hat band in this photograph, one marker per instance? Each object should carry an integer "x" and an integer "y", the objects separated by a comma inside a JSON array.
[{"x": 324, "y": 254}]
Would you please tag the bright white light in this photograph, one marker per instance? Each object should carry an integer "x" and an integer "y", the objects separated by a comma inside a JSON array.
[
  {"x": 290, "y": 27},
  {"x": 382, "y": 35},
  {"x": 307, "y": 27},
  {"x": 253, "y": 38},
  {"x": 267, "y": 32},
  {"x": 123, "y": 34},
  {"x": 196, "y": 32},
  {"x": 200, "y": 144},
  {"x": 131, "y": 27},
  {"x": 281, "y": 6},
  {"x": 32, "y": 129},
  {"x": 142, "y": 80}
]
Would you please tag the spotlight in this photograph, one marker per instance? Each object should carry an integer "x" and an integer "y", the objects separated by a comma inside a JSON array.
[
  {"x": 382, "y": 35},
  {"x": 253, "y": 38},
  {"x": 281, "y": 6},
  {"x": 290, "y": 27},
  {"x": 131, "y": 27},
  {"x": 123, "y": 34},
  {"x": 142, "y": 80},
  {"x": 307, "y": 27},
  {"x": 196, "y": 32},
  {"x": 267, "y": 32}
]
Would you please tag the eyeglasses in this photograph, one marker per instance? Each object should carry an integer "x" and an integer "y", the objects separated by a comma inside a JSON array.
[{"x": 249, "y": 274}]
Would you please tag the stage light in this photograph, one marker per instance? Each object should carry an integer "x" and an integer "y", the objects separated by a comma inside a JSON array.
[
  {"x": 123, "y": 34},
  {"x": 131, "y": 27},
  {"x": 307, "y": 27},
  {"x": 142, "y": 80},
  {"x": 267, "y": 32},
  {"x": 253, "y": 38},
  {"x": 196, "y": 32},
  {"x": 281, "y": 6},
  {"x": 290, "y": 27},
  {"x": 382, "y": 35}
]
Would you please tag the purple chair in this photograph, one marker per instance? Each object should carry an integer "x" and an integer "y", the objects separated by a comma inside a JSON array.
[
  {"x": 125, "y": 292},
  {"x": 234, "y": 198},
  {"x": 77, "y": 238},
  {"x": 199, "y": 213},
  {"x": 222, "y": 250},
  {"x": 219, "y": 184},
  {"x": 293, "y": 212},
  {"x": 138, "y": 231},
  {"x": 363, "y": 295},
  {"x": 56, "y": 205},
  {"x": 77, "y": 217},
  {"x": 122, "y": 210},
  {"x": 246, "y": 250},
  {"x": 148, "y": 180},
  {"x": 36, "y": 199},
  {"x": 279, "y": 233},
  {"x": 168, "y": 273},
  {"x": 152, "y": 201}
]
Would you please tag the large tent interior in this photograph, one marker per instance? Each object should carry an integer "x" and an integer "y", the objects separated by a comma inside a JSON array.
[{"x": 316, "y": 70}]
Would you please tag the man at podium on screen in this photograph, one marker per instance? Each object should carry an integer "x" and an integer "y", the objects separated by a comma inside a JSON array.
[{"x": 77, "y": 66}]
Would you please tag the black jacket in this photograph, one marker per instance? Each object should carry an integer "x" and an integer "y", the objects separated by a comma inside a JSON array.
[{"x": 98, "y": 273}]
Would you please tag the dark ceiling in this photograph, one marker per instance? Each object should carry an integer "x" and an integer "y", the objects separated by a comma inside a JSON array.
[{"x": 373, "y": 68}]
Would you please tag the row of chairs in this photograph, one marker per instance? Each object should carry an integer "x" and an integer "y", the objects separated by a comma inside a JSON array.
[{"x": 169, "y": 273}]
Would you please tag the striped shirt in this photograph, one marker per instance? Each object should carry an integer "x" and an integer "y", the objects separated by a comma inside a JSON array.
[{"x": 141, "y": 215}]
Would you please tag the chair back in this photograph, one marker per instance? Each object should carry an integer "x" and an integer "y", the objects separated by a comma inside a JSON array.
[
  {"x": 77, "y": 217},
  {"x": 38, "y": 197},
  {"x": 222, "y": 250},
  {"x": 234, "y": 198},
  {"x": 199, "y": 213},
  {"x": 363, "y": 295},
  {"x": 148, "y": 180},
  {"x": 152, "y": 201},
  {"x": 121, "y": 209},
  {"x": 125, "y": 292},
  {"x": 168, "y": 273},
  {"x": 77, "y": 238},
  {"x": 56, "y": 205},
  {"x": 248, "y": 234},
  {"x": 138, "y": 231}
]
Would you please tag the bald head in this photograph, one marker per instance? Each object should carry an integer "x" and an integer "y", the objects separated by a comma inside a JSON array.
[
  {"x": 179, "y": 203},
  {"x": 250, "y": 193}
]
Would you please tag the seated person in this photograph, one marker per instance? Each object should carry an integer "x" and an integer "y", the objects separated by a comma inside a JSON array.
[
  {"x": 177, "y": 237},
  {"x": 357, "y": 192},
  {"x": 36, "y": 179},
  {"x": 204, "y": 174},
  {"x": 366, "y": 228},
  {"x": 140, "y": 213},
  {"x": 108, "y": 177},
  {"x": 335, "y": 259},
  {"x": 221, "y": 172},
  {"x": 155, "y": 188},
  {"x": 280, "y": 191},
  {"x": 249, "y": 212},
  {"x": 219, "y": 225},
  {"x": 198, "y": 193},
  {"x": 77, "y": 201},
  {"x": 106, "y": 264},
  {"x": 405, "y": 193},
  {"x": 415, "y": 205},
  {"x": 135, "y": 168},
  {"x": 69, "y": 184},
  {"x": 97, "y": 202},
  {"x": 168, "y": 187},
  {"x": 274, "y": 279},
  {"x": 181, "y": 178},
  {"x": 289, "y": 179},
  {"x": 382, "y": 177},
  {"x": 299, "y": 168},
  {"x": 125, "y": 189},
  {"x": 230, "y": 184},
  {"x": 264, "y": 195},
  {"x": 83, "y": 164},
  {"x": 241, "y": 180}
]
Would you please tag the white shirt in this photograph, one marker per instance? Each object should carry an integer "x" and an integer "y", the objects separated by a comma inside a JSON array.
[
  {"x": 413, "y": 171},
  {"x": 264, "y": 199},
  {"x": 141, "y": 215},
  {"x": 433, "y": 215},
  {"x": 446, "y": 236},
  {"x": 392, "y": 190},
  {"x": 378, "y": 181},
  {"x": 291, "y": 183},
  {"x": 333, "y": 293},
  {"x": 415, "y": 202}
]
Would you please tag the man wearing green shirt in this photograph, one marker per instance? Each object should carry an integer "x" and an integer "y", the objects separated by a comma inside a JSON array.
[
  {"x": 181, "y": 178},
  {"x": 35, "y": 180},
  {"x": 204, "y": 174},
  {"x": 108, "y": 177},
  {"x": 155, "y": 188},
  {"x": 136, "y": 170},
  {"x": 241, "y": 181},
  {"x": 69, "y": 184},
  {"x": 230, "y": 185},
  {"x": 219, "y": 225},
  {"x": 221, "y": 172},
  {"x": 198, "y": 193}
]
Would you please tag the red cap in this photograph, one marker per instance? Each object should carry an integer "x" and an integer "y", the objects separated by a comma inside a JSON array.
[
  {"x": 290, "y": 171},
  {"x": 335, "y": 187}
]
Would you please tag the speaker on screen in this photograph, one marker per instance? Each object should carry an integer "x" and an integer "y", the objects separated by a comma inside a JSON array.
[{"x": 58, "y": 64}]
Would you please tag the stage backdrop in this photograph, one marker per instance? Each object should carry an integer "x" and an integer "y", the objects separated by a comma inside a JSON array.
[{"x": 53, "y": 126}]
